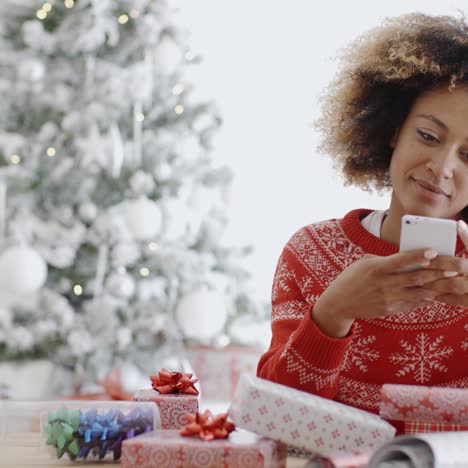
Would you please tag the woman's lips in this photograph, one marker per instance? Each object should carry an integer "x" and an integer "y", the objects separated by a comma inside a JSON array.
[{"x": 430, "y": 187}]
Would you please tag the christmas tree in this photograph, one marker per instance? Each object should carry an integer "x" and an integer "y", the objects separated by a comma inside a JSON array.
[{"x": 112, "y": 206}]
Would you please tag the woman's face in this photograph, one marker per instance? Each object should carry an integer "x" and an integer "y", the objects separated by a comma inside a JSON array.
[{"x": 429, "y": 166}]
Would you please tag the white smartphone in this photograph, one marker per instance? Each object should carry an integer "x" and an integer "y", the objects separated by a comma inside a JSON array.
[{"x": 422, "y": 232}]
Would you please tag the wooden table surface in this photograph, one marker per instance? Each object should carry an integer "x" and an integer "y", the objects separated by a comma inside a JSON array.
[{"x": 28, "y": 450}]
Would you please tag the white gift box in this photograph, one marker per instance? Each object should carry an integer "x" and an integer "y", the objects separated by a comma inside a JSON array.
[{"x": 323, "y": 426}]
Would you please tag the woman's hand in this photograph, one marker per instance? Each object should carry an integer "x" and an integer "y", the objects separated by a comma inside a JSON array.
[
  {"x": 454, "y": 290},
  {"x": 376, "y": 287}
]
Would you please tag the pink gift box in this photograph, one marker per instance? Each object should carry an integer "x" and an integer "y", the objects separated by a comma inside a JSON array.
[
  {"x": 425, "y": 404},
  {"x": 164, "y": 449},
  {"x": 173, "y": 407},
  {"x": 324, "y": 427}
]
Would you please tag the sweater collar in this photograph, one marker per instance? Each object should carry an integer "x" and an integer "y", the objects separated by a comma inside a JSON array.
[{"x": 371, "y": 244}]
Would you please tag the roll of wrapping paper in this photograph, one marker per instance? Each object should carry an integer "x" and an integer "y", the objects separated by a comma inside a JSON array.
[{"x": 441, "y": 405}]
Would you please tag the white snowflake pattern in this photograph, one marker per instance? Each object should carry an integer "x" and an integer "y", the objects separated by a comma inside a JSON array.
[
  {"x": 306, "y": 285},
  {"x": 288, "y": 310},
  {"x": 422, "y": 357},
  {"x": 464, "y": 344},
  {"x": 359, "y": 353},
  {"x": 283, "y": 278},
  {"x": 323, "y": 250}
]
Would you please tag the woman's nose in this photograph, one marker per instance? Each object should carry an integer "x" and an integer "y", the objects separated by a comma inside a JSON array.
[{"x": 442, "y": 164}]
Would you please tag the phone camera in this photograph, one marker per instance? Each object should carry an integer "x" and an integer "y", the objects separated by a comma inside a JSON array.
[{"x": 408, "y": 221}]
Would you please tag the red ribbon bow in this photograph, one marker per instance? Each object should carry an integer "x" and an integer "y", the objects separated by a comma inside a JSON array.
[
  {"x": 207, "y": 426},
  {"x": 173, "y": 382}
]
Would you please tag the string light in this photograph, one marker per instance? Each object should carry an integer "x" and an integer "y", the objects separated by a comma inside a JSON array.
[
  {"x": 41, "y": 14},
  {"x": 47, "y": 7},
  {"x": 178, "y": 89},
  {"x": 144, "y": 271},
  {"x": 77, "y": 290},
  {"x": 179, "y": 109},
  {"x": 140, "y": 116},
  {"x": 153, "y": 246},
  {"x": 51, "y": 152},
  {"x": 189, "y": 56},
  {"x": 15, "y": 158},
  {"x": 134, "y": 13},
  {"x": 123, "y": 19},
  {"x": 69, "y": 3}
]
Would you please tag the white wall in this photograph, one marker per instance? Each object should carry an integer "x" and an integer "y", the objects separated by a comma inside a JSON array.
[{"x": 265, "y": 64}]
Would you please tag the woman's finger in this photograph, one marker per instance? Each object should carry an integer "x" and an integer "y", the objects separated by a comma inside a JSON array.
[
  {"x": 454, "y": 286},
  {"x": 447, "y": 263},
  {"x": 462, "y": 229},
  {"x": 453, "y": 299},
  {"x": 422, "y": 277},
  {"x": 405, "y": 261}
]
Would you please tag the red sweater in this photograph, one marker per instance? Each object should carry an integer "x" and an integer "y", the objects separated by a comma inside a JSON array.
[{"x": 425, "y": 346}]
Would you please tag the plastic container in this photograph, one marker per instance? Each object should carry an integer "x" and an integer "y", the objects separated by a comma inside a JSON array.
[{"x": 39, "y": 431}]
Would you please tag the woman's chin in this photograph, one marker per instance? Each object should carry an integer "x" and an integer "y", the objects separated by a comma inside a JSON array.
[{"x": 430, "y": 212}]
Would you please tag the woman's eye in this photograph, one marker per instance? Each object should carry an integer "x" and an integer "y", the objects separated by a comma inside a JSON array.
[{"x": 427, "y": 136}]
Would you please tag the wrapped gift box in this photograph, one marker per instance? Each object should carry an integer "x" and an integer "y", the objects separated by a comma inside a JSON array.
[
  {"x": 425, "y": 409},
  {"x": 322, "y": 426},
  {"x": 173, "y": 407},
  {"x": 164, "y": 449}
]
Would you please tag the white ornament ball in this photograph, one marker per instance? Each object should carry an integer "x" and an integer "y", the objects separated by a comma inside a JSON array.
[
  {"x": 87, "y": 211},
  {"x": 143, "y": 218},
  {"x": 202, "y": 314},
  {"x": 176, "y": 218},
  {"x": 48, "y": 131},
  {"x": 132, "y": 378},
  {"x": 31, "y": 70},
  {"x": 163, "y": 171},
  {"x": 123, "y": 338},
  {"x": 22, "y": 270},
  {"x": 64, "y": 214},
  {"x": 167, "y": 56},
  {"x": 121, "y": 285}
]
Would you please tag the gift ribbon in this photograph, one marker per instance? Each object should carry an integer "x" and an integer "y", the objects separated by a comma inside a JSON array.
[
  {"x": 208, "y": 427},
  {"x": 174, "y": 382},
  {"x": 80, "y": 432},
  {"x": 61, "y": 431}
]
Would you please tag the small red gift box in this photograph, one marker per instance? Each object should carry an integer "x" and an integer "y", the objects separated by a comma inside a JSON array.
[
  {"x": 166, "y": 449},
  {"x": 173, "y": 407},
  {"x": 175, "y": 395}
]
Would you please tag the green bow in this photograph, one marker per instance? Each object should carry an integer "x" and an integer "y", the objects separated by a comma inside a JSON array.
[{"x": 61, "y": 428}]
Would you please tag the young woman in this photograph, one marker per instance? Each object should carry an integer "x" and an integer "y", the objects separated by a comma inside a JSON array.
[{"x": 347, "y": 315}]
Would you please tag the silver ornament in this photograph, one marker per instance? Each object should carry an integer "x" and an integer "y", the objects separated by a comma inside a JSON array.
[
  {"x": 87, "y": 212},
  {"x": 120, "y": 284},
  {"x": 31, "y": 70}
]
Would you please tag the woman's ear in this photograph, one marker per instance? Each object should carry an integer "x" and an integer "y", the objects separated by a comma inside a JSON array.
[{"x": 394, "y": 139}]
